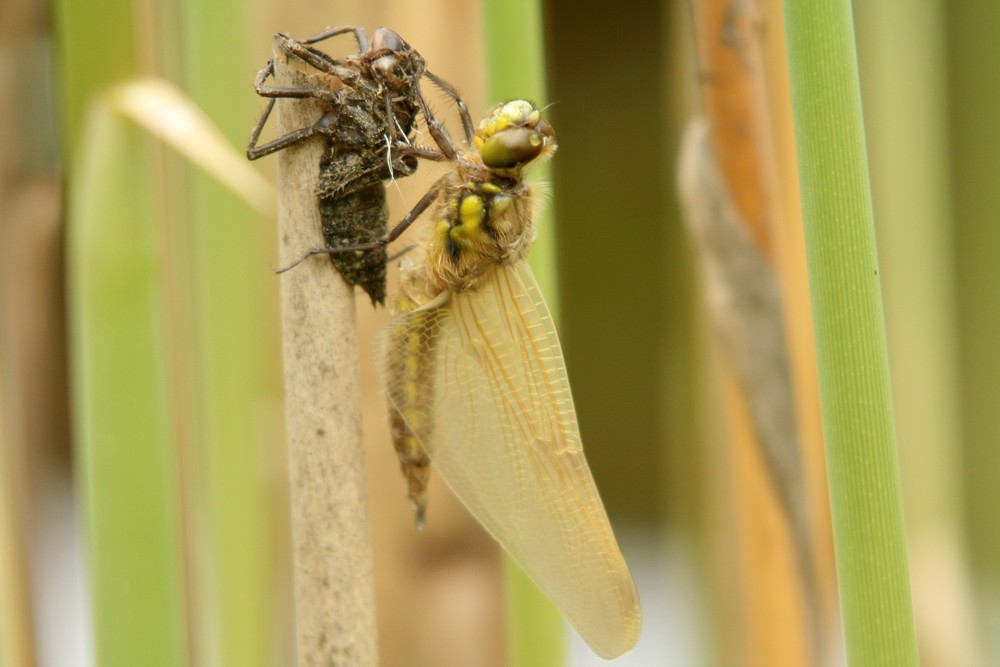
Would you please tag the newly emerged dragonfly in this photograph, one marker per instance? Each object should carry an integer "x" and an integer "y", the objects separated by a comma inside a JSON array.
[
  {"x": 475, "y": 375},
  {"x": 371, "y": 102}
]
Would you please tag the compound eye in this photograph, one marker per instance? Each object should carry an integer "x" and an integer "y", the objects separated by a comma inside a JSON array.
[{"x": 512, "y": 147}]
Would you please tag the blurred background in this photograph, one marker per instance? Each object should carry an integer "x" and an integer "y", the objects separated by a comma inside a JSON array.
[{"x": 660, "y": 416}]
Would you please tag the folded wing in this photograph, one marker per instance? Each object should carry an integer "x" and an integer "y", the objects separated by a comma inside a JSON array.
[{"x": 496, "y": 417}]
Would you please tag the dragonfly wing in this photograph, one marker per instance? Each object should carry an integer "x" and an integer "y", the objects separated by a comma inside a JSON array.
[{"x": 502, "y": 430}]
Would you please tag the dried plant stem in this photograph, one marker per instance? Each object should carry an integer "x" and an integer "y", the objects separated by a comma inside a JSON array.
[
  {"x": 334, "y": 590},
  {"x": 746, "y": 309},
  {"x": 728, "y": 183}
]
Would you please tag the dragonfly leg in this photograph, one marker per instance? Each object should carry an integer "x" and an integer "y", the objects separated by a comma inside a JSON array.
[
  {"x": 393, "y": 234},
  {"x": 463, "y": 110}
]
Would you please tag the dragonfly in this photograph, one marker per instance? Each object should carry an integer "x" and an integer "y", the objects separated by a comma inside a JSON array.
[
  {"x": 371, "y": 101},
  {"x": 477, "y": 385}
]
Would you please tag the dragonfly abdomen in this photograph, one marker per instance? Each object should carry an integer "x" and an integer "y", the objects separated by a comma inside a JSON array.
[{"x": 411, "y": 360}]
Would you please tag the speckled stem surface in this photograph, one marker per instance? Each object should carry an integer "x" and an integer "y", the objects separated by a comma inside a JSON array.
[{"x": 332, "y": 560}]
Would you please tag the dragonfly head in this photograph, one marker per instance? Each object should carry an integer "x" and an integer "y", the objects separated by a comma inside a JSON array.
[{"x": 512, "y": 135}]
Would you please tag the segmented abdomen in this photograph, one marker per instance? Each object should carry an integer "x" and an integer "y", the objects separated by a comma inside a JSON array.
[
  {"x": 354, "y": 211},
  {"x": 354, "y": 218},
  {"x": 411, "y": 355}
]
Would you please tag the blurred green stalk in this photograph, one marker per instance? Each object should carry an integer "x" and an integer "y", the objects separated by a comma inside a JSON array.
[
  {"x": 94, "y": 48},
  {"x": 122, "y": 429},
  {"x": 236, "y": 347},
  {"x": 973, "y": 69},
  {"x": 855, "y": 395},
  {"x": 515, "y": 69}
]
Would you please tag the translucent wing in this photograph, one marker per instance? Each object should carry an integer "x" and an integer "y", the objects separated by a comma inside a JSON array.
[{"x": 493, "y": 410}]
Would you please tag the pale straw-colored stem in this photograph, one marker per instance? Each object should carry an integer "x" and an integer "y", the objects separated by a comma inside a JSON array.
[{"x": 334, "y": 589}]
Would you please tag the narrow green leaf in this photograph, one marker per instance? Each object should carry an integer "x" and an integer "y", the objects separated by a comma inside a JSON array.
[
  {"x": 119, "y": 391},
  {"x": 856, "y": 401},
  {"x": 237, "y": 347}
]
